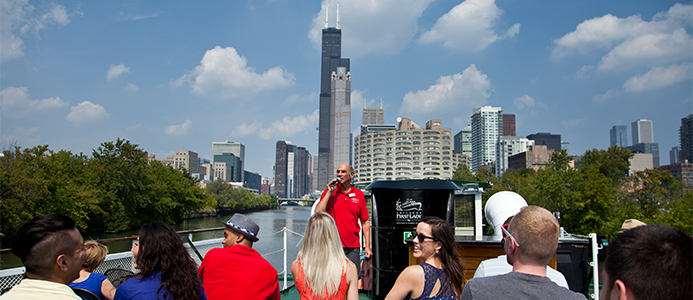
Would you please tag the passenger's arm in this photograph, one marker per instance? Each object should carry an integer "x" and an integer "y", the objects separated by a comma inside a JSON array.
[
  {"x": 409, "y": 280},
  {"x": 107, "y": 289},
  {"x": 352, "y": 281}
]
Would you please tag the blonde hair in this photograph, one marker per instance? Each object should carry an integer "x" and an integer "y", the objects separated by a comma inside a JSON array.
[
  {"x": 536, "y": 230},
  {"x": 96, "y": 253},
  {"x": 321, "y": 256}
]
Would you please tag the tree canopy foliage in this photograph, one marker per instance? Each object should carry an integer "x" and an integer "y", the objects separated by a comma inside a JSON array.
[
  {"x": 115, "y": 189},
  {"x": 597, "y": 196}
]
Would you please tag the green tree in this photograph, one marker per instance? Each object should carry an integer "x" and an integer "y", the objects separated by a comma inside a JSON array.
[
  {"x": 463, "y": 173},
  {"x": 553, "y": 184},
  {"x": 613, "y": 162}
]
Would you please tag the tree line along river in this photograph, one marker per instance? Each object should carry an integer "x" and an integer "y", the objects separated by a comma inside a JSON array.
[{"x": 294, "y": 218}]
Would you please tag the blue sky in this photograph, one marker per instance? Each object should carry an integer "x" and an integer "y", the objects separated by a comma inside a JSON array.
[{"x": 171, "y": 75}]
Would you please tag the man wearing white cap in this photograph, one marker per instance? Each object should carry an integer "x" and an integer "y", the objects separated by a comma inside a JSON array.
[{"x": 237, "y": 271}]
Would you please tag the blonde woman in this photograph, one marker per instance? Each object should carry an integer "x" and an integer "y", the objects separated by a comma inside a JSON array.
[
  {"x": 95, "y": 282},
  {"x": 321, "y": 270}
]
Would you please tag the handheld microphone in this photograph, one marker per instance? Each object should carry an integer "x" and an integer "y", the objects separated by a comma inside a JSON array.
[{"x": 336, "y": 180}]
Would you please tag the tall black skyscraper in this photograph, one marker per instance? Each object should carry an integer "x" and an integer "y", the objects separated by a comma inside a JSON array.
[{"x": 331, "y": 59}]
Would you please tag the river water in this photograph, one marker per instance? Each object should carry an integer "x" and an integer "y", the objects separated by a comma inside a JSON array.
[{"x": 271, "y": 222}]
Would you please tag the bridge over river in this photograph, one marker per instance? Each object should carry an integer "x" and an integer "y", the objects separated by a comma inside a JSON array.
[{"x": 295, "y": 202}]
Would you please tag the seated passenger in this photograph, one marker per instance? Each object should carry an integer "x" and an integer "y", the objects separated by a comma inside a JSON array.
[
  {"x": 500, "y": 265},
  {"x": 441, "y": 276},
  {"x": 530, "y": 242},
  {"x": 237, "y": 271},
  {"x": 166, "y": 269},
  {"x": 321, "y": 269},
  {"x": 649, "y": 262},
  {"x": 97, "y": 283},
  {"x": 52, "y": 251}
]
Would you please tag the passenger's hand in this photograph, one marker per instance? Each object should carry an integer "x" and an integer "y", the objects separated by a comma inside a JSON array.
[{"x": 368, "y": 252}]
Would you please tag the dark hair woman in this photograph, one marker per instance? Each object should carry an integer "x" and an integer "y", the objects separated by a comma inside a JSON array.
[
  {"x": 441, "y": 276},
  {"x": 166, "y": 269}
]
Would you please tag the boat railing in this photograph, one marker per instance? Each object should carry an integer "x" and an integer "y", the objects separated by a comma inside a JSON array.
[{"x": 125, "y": 260}]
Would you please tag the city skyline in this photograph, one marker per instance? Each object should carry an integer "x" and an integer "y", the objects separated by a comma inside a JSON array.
[{"x": 179, "y": 75}]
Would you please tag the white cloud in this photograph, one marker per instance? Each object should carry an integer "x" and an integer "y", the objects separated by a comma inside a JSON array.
[
  {"x": 584, "y": 72},
  {"x": 28, "y": 136},
  {"x": 458, "y": 92},
  {"x": 132, "y": 87},
  {"x": 302, "y": 98},
  {"x": 116, "y": 70},
  {"x": 224, "y": 74},
  {"x": 572, "y": 123},
  {"x": 16, "y": 103},
  {"x": 135, "y": 17},
  {"x": 179, "y": 129},
  {"x": 469, "y": 26},
  {"x": 86, "y": 112},
  {"x": 527, "y": 101},
  {"x": 396, "y": 25},
  {"x": 246, "y": 129},
  {"x": 659, "y": 77},
  {"x": 631, "y": 41},
  {"x": 610, "y": 94},
  {"x": 280, "y": 129},
  {"x": 650, "y": 48},
  {"x": 18, "y": 17}
]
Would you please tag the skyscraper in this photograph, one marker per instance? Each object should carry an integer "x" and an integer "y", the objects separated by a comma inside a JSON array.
[
  {"x": 686, "y": 139},
  {"x": 508, "y": 124},
  {"x": 340, "y": 144},
  {"x": 552, "y": 141},
  {"x": 373, "y": 116},
  {"x": 331, "y": 59},
  {"x": 291, "y": 170},
  {"x": 487, "y": 127},
  {"x": 237, "y": 149},
  {"x": 508, "y": 146},
  {"x": 618, "y": 135},
  {"x": 463, "y": 142},
  {"x": 642, "y": 131}
]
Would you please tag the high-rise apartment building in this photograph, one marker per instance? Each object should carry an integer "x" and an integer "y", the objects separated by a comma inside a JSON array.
[
  {"x": 237, "y": 149},
  {"x": 340, "y": 144},
  {"x": 682, "y": 172},
  {"x": 463, "y": 142},
  {"x": 642, "y": 131},
  {"x": 409, "y": 152},
  {"x": 291, "y": 170},
  {"x": 618, "y": 135},
  {"x": 331, "y": 60},
  {"x": 686, "y": 139},
  {"x": 373, "y": 116},
  {"x": 508, "y": 124},
  {"x": 508, "y": 146},
  {"x": 487, "y": 127},
  {"x": 552, "y": 141}
]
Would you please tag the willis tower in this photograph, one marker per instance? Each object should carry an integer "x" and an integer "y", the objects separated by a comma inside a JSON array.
[{"x": 331, "y": 59}]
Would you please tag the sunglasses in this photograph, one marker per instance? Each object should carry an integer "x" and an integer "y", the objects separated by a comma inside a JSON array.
[
  {"x": 507, "y": 234},
  {"x": 422, "y": 237}
]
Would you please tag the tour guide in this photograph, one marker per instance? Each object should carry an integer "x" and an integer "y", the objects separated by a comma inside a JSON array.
[
  {"x": 237, "y": 271},
  {"x": 346, "y": 204}
]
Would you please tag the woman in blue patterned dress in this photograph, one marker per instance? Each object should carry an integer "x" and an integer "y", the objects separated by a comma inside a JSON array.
[{"x": 441, "y": 275}]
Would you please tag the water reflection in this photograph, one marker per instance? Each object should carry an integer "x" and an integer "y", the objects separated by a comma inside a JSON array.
[{"x": 271, "y": 222}]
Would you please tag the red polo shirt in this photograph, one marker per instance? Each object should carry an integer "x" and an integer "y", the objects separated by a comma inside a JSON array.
[{"x": 346, "y": 209}]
